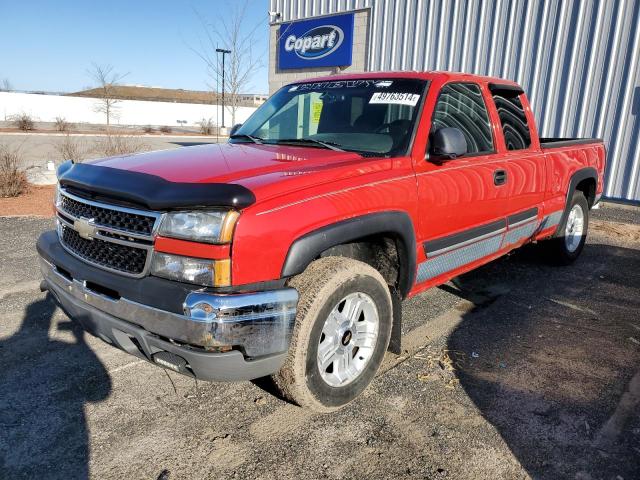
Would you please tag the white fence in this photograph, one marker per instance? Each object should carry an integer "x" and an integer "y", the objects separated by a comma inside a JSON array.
[{"x": 46, "y": 108}]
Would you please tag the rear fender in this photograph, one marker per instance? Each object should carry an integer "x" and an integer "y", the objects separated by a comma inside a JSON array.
[{"x": 576, "y": 178}]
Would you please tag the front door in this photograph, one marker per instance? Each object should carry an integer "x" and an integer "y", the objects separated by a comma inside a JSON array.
[{"x": 462, "y": 201}]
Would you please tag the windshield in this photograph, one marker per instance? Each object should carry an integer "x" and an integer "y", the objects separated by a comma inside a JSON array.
[{"x": 374, "y": 117}]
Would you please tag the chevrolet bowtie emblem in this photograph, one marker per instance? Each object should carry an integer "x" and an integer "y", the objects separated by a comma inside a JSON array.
[{"x": 85, "y": 228}]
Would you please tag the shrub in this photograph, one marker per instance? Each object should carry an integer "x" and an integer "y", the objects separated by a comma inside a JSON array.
[
  {"x": 13, "y": 180},
  {"x": 118, "y": 144},
  {"x": 72, "y": 149},
  {"x": 206, "y": 126},
  {"x": 111, "y": 145},
  {"x": 148, "y": 129},
  {"x": 62, "y": 125},
  {"x": 23, "y": 122},
  {"x": 165, "y": 129}
]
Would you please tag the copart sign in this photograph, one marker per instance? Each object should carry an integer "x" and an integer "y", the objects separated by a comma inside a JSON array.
[{"x": 319, "y": 42}]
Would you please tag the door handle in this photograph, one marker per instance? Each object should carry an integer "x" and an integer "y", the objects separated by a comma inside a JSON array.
[{"x": 499, "y": 177}]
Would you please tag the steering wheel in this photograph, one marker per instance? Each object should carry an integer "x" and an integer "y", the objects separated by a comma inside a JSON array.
[
  {"x": 383, "y": 127},
  {"x": 398, "y": 125}
]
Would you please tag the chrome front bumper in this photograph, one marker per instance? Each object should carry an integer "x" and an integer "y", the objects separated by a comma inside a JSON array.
[{"x": 257, "y": 324}]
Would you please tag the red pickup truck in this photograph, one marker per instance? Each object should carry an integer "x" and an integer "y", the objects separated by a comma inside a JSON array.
[{"x": 288, "y": 250}]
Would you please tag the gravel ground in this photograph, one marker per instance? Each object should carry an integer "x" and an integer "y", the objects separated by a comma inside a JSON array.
[
  {"x": 618, "y": 213},
  {"x": 518, "y": 370}
]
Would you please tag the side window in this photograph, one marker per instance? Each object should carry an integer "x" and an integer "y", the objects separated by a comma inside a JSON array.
[
  {"x": 515, "y": 128},
  {"x": 461, "y": 105}
]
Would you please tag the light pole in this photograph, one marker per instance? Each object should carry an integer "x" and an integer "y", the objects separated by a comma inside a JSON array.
[{"x": 223, "y": 52}]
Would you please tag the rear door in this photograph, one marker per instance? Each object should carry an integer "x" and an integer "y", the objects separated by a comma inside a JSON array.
[
  {"x": 462, "y": 201},
  {"x": 523, "y": 161}
]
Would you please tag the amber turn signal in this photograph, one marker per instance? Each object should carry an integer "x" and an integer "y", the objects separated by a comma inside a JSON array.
[
  {"x": 222, "y": 273},
  {"x": 228, "y": 224}
]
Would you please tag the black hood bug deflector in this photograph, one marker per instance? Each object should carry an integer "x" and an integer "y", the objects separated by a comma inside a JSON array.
[{"x": 150, "y": 191}]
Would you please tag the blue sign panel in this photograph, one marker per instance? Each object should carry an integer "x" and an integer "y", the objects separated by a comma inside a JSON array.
[{"x": 319, "y": 42}]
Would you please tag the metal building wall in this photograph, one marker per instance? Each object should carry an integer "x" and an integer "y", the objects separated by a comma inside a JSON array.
[{"x": 578, "y": 60}]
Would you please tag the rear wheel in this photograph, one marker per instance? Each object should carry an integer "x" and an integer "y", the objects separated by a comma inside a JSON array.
[
  {"x": 567, "y": 243},
  {"x": 341, "y": 334}
]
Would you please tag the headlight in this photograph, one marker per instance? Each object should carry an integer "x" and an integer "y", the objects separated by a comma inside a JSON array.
[
  {"x": 201, "y": 271},
  {"x": 206, "y": 227}
]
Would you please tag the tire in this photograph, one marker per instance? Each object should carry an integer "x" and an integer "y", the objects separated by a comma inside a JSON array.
[
  {"x": 567, "y": 243},
  {"x": 328, "y": 284}
]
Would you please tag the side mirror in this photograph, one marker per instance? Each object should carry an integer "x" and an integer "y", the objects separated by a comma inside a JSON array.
[
  {"x": 447, "y": 143},
  {"x": 234, "y": 129}
]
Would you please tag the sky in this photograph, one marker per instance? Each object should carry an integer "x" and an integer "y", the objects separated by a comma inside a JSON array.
[{"x": 49, "y": 45}]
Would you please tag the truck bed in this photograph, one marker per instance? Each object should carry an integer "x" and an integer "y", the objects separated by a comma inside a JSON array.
[{"x": 556, "y": 142}]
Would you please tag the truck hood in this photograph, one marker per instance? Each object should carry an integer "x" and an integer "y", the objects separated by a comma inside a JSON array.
[{"x": 265, "y": 170}]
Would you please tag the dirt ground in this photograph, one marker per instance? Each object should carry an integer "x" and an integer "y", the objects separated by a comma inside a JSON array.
[
  {"x": 516, "y": 370},
  {"x": 36, "y": 202}
]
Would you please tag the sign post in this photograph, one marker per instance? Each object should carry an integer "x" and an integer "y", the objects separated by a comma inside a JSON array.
[{"x": 223, "y": 52}]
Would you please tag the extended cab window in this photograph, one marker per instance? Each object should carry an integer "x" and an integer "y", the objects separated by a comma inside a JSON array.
[
  {"x": 374, "y": 117},
  {"x": 514, "y": 121},
  {"x": 460, "y": 105}
]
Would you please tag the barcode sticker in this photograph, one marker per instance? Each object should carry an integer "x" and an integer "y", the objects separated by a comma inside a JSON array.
[{"x": 395, "y": 98}]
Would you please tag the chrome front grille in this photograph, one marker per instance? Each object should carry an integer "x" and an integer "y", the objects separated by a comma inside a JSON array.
[
  {"x": 109, "y": 217},
  {"x": 114, "y": 256},
  {"x": 110, "y": 237}
]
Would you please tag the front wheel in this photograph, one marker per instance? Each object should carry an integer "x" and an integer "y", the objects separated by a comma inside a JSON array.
[
  {"x": 341, "y": 334},
  {"x": 567, "y": 243}
]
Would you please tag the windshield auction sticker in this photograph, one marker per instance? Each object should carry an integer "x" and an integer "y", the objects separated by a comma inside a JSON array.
[
  {"x": 395, "y": 98},
  {"x": 316, "y": 111}
]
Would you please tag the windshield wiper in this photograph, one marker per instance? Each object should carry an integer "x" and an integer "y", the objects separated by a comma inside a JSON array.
[
  {"x": 330, "y": 145},
  {"x": 257, "y": 140}
]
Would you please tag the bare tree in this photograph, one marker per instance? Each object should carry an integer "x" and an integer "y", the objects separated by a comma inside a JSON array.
[
  {"x": 107, "y": 81},
  {"x": 231, "y": 32},
  {"x": 6, "y": 86}
]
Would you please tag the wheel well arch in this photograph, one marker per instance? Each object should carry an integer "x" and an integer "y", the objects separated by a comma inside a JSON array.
[
  {"x": 385, "y": 240},
  {"x": 381, "y": 251},
  {"x": 588, "y": 187},
  {"x": 585, "y": 180}
]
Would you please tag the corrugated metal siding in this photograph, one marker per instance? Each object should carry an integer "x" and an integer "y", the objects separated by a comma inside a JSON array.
[{"x": 579, "y": 60}]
